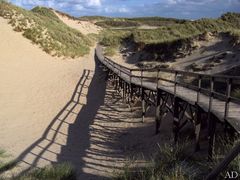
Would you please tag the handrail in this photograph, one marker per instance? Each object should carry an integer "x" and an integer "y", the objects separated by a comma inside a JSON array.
[
  {"x": 212, "y": 79},
  {"x": 211, "y": 93}
]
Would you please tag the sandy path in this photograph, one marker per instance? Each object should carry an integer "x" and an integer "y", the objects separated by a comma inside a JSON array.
[
  {"x": 34, "y": 86},
  {"x": 54, "y": 110}
]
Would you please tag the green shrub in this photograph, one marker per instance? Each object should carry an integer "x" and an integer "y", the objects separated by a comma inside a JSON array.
[{"x": 43, "y": 27}]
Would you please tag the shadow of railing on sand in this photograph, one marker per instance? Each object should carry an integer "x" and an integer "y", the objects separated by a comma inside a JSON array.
[
  {"x": 67, "y": 137},
  {"x": 87, "y": 132}
]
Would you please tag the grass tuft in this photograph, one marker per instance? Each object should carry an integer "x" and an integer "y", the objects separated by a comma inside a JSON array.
[
  {"x": 167, "y": 163},
  {"x": 59, "y": 172}
]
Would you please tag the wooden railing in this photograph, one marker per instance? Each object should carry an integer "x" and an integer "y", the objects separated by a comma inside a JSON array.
[
  {"x": 224, "y": 163},
  {"x": 196, "y": 84},
  {"x": 210, "y": 90}
]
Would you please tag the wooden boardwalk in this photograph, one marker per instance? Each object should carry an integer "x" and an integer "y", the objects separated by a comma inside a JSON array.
[{"x": 185, "y": 94}]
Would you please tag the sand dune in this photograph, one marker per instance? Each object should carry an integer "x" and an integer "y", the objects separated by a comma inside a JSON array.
[
  {"x": 84, "y": 27},
  {"x": 33, "y": 88}
]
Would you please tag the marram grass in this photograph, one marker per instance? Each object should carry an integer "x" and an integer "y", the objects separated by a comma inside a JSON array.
[{"x": 45, "y": 29}]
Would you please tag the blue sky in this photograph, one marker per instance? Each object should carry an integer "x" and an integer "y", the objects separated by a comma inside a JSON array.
[{"x": 189, "y": 9}]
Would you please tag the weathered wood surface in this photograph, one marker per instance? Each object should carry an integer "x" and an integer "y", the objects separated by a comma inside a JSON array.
[{"x": 186, "y": 94}]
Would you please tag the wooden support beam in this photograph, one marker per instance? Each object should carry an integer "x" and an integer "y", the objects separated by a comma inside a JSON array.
[
  {"x": 116, "y": 82},
  {"x": 143, "y": 105},
  {"x": 121, "y": 90},
  {"x": 131, "y": 92},
  {"x": 198, "y": 124},
  {"x": 119, "y": 84},
  {"x": 124, "y": 91},
  {"x": 158, "y": 113},
  {"x": 176, "y": 120},
  {"x": 211, "y": 136}
]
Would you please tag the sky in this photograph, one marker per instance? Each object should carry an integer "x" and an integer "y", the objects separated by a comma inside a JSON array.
[{"x": 186, "y": 9}]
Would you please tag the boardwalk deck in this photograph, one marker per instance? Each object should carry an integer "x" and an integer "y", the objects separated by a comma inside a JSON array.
[
  {"x": 188, "y": 96},
  {"x": 207, "y": 102}
]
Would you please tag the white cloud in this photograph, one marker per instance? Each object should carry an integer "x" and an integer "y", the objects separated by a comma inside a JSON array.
[
  {"x": 172, "y": 8},
  {"x": 59, "y": 3},
  {"x": 123, "y": 10},
  {"x": 78, "y": 7},
  {"x": 96, "y": 3},
  {"x": 112, "y": 9}
]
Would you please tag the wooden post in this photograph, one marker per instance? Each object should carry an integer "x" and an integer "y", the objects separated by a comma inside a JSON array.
[
  {"x": 228, "y": 94},
  {"x": 118, "y": 84},
  {"x": 211, "y": 137},
  {"x": 158, "y": 78},
  {"x": 176, "y": 119},
  {"x": 211, "y": 123},
  {"x": 130, "y": 88},
  {"x": 131, "y": 93},
  {"x": 121, "y": 87},
  {"x": 199, "y": 87},
  {"x": 123, "y": 90},
  {"x": 198, "y": 127},
  {"x": 158, "y": 116},
  {"x": 175, "y": 83},
  {"x": 143, "y": 105},
  {"x": 128, "y": 94}
]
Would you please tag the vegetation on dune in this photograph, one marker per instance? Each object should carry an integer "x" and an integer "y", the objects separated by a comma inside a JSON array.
[
  {"x": 93, "y": 18},
  {"x": 60, "y": 171},
  {"x": 167, "y": 163},
  {"x": 236, "y": 37},
  {"x": 44, "y": 28},
  {"x": 112, "y": 39},
  {"x": 63, "y": 171},
  {"x": 135, "y": 22},
  {"x": 111, "y": 23},
  {"x": 5, "y": 165},
  {"x": 178, "y": 31},
  {"x": 177, "y": 163}
]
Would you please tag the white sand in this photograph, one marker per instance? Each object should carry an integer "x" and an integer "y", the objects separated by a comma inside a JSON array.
[
  {"x": 33, "y": 88},
  {"x": 85, "y": 27}
]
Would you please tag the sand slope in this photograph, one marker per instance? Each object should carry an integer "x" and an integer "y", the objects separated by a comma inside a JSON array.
[
  {"x": 84, "y": 27},
  {"x": 33, "y": 88}
]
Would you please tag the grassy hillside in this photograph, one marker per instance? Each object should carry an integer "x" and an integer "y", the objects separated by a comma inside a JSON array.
[
  {"x": 43, "y": 27},
  {"x": 136, "y": 22},
  {"x": 175, "y": 34},
  {"x": 94, "y": 18}
]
